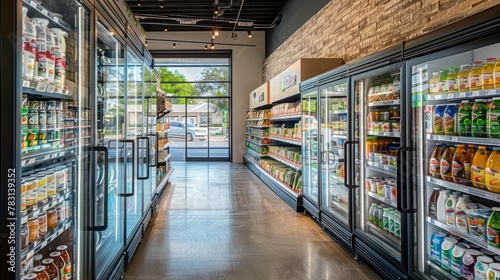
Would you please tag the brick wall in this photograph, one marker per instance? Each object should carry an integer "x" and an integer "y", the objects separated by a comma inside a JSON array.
[{"x": 353, "y": 29}]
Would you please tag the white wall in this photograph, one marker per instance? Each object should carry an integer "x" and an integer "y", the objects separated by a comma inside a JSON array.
[{"x": 247, "y": 70}]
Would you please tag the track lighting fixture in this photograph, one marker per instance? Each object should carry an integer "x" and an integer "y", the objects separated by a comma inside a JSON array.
[
  {"x": 249, "y": 34},
  {"x": 212, "y": 46},
  {"x": 146, "y": 43},
  {"x": 206, "y": 47},
  {"x": 161, "y": 5},
  {"x": 166, "y": 28},
  {"x": 216, "y": 32},
  {"x": 138, "y": 3},
  {"x": 173, "y": 45},
  {"x": 213, "y": 34}
]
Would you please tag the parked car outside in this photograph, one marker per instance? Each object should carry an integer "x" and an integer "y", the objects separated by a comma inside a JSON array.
[{"x": 178, "y": 129}]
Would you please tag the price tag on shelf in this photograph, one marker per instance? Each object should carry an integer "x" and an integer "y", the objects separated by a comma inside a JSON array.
[
  {"x": 33, "y": 3},
  {"x": 24, "y": 219},
  {"x": 41, "y": 86},
  {"x": 26, "y": 83},
  {"x": 44, "y": 243},
  {"x": 56, "y": 20},
  {"x": 454, "y": 139},
  {"x": 51, "y": 88},
  {"x": 475, "y": 93},
  {"x": 462, "y": 94},
  {"x": 60, "y": 90},
  {"x": 30, "y": 254},
  {"x": 45, "y": 12},
  {"x": 451, "y": 95}
]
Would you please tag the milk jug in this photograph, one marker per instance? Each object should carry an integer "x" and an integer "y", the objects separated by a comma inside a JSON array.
[
  {"x": 60, "y": 66},
  {"x": 450, "y": 210},
  {"x": 41, "y": 48},
  {"x": 460, "y": 216},
  {"x": 29, "y": 47},
  {"x": 441, "y": 205}
]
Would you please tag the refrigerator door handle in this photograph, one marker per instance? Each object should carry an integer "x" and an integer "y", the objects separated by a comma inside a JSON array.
[
  {"x": 346, "y": 163},
  {"x": 155, "y": 157},
  {"x": 141, "y": 160},
  {"x": 400, "y": 179},
  {"x": 126, "y": 141},
  {"x": 104, "y": 226}
]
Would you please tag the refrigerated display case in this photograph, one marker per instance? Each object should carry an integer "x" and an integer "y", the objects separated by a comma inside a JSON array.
[{"x": 164, "y": 166}]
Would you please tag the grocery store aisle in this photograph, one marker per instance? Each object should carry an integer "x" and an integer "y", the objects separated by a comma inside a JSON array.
[{"x": 219, "y": 221}]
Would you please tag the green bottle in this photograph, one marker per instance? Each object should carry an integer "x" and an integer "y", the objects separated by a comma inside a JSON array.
[
  {"x": 493, "y": 119},
  {"x": 479, "y": 111},
  {"x": 443, "y": 81},
  {"x": 380, "y": 218},
  {"x": 452, "y": 82},
  {"x": 385, "y": 219},
  {"x": 493, "y": 230},
  {"x": 464, "y": 118}
]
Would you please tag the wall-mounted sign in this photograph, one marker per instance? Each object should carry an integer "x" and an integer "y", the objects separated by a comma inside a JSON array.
[{"x": 259, "y": 96}]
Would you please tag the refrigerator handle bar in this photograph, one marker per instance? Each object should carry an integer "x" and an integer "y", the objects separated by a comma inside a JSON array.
[
  {"x": 156, "y": 150},
  {"x": 139, "y": 148},
  {"x": 156, "y": 156},
  {"x": 346, "y": 163},
  {"x": 125, "y": 166},
  {"x": 401, "y": 180},
  {"x": 104, "y": 226}
]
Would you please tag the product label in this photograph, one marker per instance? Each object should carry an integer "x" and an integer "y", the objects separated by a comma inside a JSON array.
[
  {"x": 463, "y": 83},
  {"x": 438, "y": 124},
  {"x": 492, "y": 177},
  {"x": 497, "y": 78},
  {"x": 31, "y": 196},
  {"x": 493, "y": 124},
  {"x": 480, "y": 271},
  {"x": 492, "y": 237},
  {"x": 442, "y": 86},
  {"x": 449, "y": 124},
  {"x": 436, "y": 242},
  {"x": 475, "y": 81},
  {"x": 445, "y": 168},
  {"x": 434, "y": 165},
  {"x": 464, "y": 123},
  {"x": 461, "y": 220},
  {"x": 434, "y": 87},
  {"x": 487, "y": 79},
  {"x": 457, "y": 169},
  {"x": 452, "y": 85},
  {"x": 385, "y": 223},
  {"x": 477, "y": 174},
  {"x": 446, "y": 257},
  {"x": 456, "y": 262}
]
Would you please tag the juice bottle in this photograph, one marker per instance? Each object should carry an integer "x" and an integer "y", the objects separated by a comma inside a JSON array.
[
  {"x": 487, "y": 76},
  {"x": 435, "y": 161},
  {"x": 441, "y": 205},
  {"x": 479, "y": 111},
  {"x": 460, "y": 216},
  {"x": 493, "y": 119},
  {"x": 478, "y": 166},
  {"x": 492, "y": 172},
  {"x": 463, "y": 78},
  {"x": 471, "y": 150},
  {"x": 493, "y": 231},
  {"x": 434, "y": 83},
  {"x": 464, "y": 118},
  {"x": 371, "y": 213},
  {"x": 446, "y": 162},
  {"x": 450, "y": 210},
  {"x": 460, "y": 167},
  {"x": 450, "y": 120},
  {"x": 475, "y": 76},
  {"x": 496, "y": 73},
  {"x": 29, "y": 52},
  {"x": 443, "y": 79},
  {"x": 433, "y": 200},
  {"x": 380, "y": 216},
  {"x": 452, "y": 82}
]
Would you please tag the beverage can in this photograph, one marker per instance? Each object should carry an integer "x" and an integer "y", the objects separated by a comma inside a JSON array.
[
  {"x": 438, "y": 119},
  {"x": 456, "y": 259},
  {"x": 446, "y": 252},
  {"x": 437, "y": 240},
  {"x": 33, "y": 118},
  {"x": 493, "y": 272},
  {"x": 468, "y": 262}
]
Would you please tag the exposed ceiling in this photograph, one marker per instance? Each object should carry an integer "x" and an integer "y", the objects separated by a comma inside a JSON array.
[{"x": 204, "y": 15}]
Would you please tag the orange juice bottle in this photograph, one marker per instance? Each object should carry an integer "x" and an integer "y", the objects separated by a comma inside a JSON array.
[
  {"x": 496, "y": 74},
  {"x": 460, "y": 167},
  {"x": 463, "y": 78},
  {"x": 487, "y": 76},
  {"x": 492, "y": 172},
  {"x": 475, "y": 76},
  {"x": 369, "y": 148},
  {"x": 478, "y": 166}
]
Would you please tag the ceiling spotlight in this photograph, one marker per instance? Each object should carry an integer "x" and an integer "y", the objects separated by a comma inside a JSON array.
[
  {"x": 234, "y": 36},
  {"x": 146, "y": 43},
  {"x": 161, "y": 5},
  {"x": 216, "y": 32},
  {"x": 111, "y": 33},
  {"x": 206, "y": 47},
  {"x": 212, "y": 46},
  {"x": 249, "y": 34},
  {"x": 173, "y": 45},
  {"x": 213, "y": 34},
  {"x": 138, "y": 3},
  {"x": 166, "y": 28}
]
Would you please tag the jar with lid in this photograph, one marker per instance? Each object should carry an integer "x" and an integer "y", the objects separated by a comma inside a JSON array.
[
  {"x": 42, "y": 186},
  {"x": 24, "y": 191},
  {"x": 31, "y": 276},
  {"x": 51, "y": 218},
  {"x": 41, "y": 273},
  {"x": 24, "y": 236},
  {"x": 51, "y": 183},
  {"x": 33, "y": 230},
  {"x": 63, "y": 249},
  {"x": 42, "y": 223},
  {"x": 51, "y": 269},
  {"x": 59, "y": 262},
  {"x": 31, "y": 192},
  {"x": 37, "y": 260}
]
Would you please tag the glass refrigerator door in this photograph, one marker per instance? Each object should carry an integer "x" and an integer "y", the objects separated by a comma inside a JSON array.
[
  {"x": 456, "y": 131},
  {"x": 55, "y": 129},
  {"x": 333, "y": 135},
  {"x": 110, "y": 133},
  {"x": 310, "y": 145},
  {"x": 137, "y": 168},
  {"x": 149, "y": 130},
  {"x": 378, "y": 109}
]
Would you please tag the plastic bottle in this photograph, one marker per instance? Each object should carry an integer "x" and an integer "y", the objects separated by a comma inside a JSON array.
[
  {"x": 441, "y": 205},
  {"x": 434, "y": 83},
  {"x": 435, "y": 161},
  {"x": 397, "y": 224},
  {"x": 496, "y": 74},
  {"x": 456, "y": 259},
  {"x": 371, "y": 213},
  {"x": 385, "y": 219},
  {"x": 471, "y": 151},
  {"x": 481, "y": 267},
  {"x": 452, "y": 81},
  {"x": 478, "y": 167},
  {"x": 450, "y": 119},
  {"x": 463, "y": 78},
  {"x": 493, "y": 119},
  {"x": 464, "y": 118},
  {"x": 443, "y": 79},
  {"x": 493, "y": 231},
  {"x": 52, "y": 50},
  {"x": 41, "y": 46},
  {"x": 446, "y": 163},
  {"x": 466, "y": 197},
  {"x": 475, "y": 76},
  {"x": 60, "y": 63},
  {"x": 391, "y": 221},
  {"x": 460, "y": 216},
  {"x": 29, "y": 46},
  {"x": 479, "y": 112},
  {"x": 380, "y": 213},
  {"x": 487, "y": 75},
  {"x": 450, "y": 210},
  {"x": 433, "y": 202},
  {"x": 492, "y": 172},
  {"x": 375, "y": 215},
  {"x": 460, "y": 167}
]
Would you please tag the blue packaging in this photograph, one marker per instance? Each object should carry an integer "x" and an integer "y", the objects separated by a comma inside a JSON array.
[
  {"x": 438, "y": 118},
  {"x": 437, "y": 239},
  {"x": 450, "y": 119}
]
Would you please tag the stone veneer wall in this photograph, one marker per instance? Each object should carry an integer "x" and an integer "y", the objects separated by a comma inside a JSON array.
[{"x": 353, "y": 29}]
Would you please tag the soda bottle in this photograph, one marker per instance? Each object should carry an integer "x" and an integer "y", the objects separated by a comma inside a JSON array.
[
  {"x": 464, "y": 118},
  {"x": 479, "y": 112},
  {"x": 487, "y": 75},
  {"x": 493, "y": 121},
  {"x": 475, "y": 76},
  {"x": 493, "y": 231},
  {"x": 452, "y": 81},
  {"x": 460, "y": 168},
  {"x": 463, "y": 78},
  {"x": 496, "y": 73},
  {"x": 443, "y": 80},
  {"x": 434, "y": 83}
]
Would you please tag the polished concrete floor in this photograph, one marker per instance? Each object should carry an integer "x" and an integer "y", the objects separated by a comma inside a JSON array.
[{"x": 219, "y": 221}]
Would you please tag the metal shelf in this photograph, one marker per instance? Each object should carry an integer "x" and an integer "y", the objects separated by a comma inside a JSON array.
[
  {"x": 463, "y": 139},
  {"x": 386, "y": 134},
  {"x": 385, "y": 237},
  {"x": 465, "y": 189},
  {"x": 252, "y": 152},
  {"x": 384, "y": 103},
  {"x": 258, "y": 144},
  {"x": 286, "y": 140},
  {"x": 163, "y": 180},
  {"x": 257, "y": 136},
  {"x": 41, "y": 11},
  {"x": 462, "y": 95},
  {"x": 42, "y": 206},
  {"x": 338, "y": 111},
  {"x": 440, "y": 270},
  {"x": 286, "y": 118},
  {"x": 42, "y": 90},
  {"x": 463, "y": 235},
  {"x": 386, "y": 169},
  {"x": 45, "y": 155},
  {"x": 383, "y": 199},
  {"x": 257, "y": 119},
  {"x": 338, "y": 134},
  {"x": 290, "y": 163},
  {"x": 259, "y": 126}
]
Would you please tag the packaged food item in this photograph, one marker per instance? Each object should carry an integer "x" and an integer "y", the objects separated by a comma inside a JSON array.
[
  {"x": 469, "y": 261},
  {"x": 51, "y": 183},
  {"x": 475, "y": 76},
  {"x": 496, "y": 73},
  {"x": 380, "y": 216},
  {"x": 29, "y": 53},
  {"x": 371, "y": 213},
  {"x": 463, "y": 78},
  {"x": 487, "y": 75},
  {"x": 435, "y": 160},
  {"x": 63, "y": 249},
  {"x": 385, "y": 219},
  {"x": 41, "y": 45},
  {"x": 481, "y": 267},
  {"x": 443, "y": 79},
  {"x": 492, "y": 172},
  {"x": 446, "y": 252},
  {"x": 441, "y": 205},
  {"x": 460, "y": 168},
  {"x": 438, "y": 119},
  {"x": 24, "y": 191},
  {"x": 478, "y": 167},
  {"x": 60, "y": 62},
  {"x": 450, "y": 210},
  {"x": 33, "y": 230},
  {"x": 434, "y": 83},
  {"x": 493, "y": 272},
  {"x": 391, "y": 221},
  {"x": 58, "y": 261},
  {"x": 493, "y": 119},
  {"x": 437, "y": 240},
  {"x": 433, "y": 200},
  {"x": 40, "y": 272},
  {"x": 41, "y": 180},
  {"x": 397, "y": 224},
  {"x": 450, "y": 119},
  {"x": 477, "y": 219},
  {"x": 493, "y": 230},
  {"x": 24, "y": 236},
  {"x": 460, "y": 216},
  {"x": 464, "y": 118},
  {"x": 452, "y": 81},
  {"x": 42, "y": 223},
  {"x": 479, "y": 112},
  {"x": 37, "y": 259},
  {"x": 456, "y": 259},
  {"x": 51, "y": 218},
  {"x": 446, "y": 162},
  {"x": 51, "y": 268}
]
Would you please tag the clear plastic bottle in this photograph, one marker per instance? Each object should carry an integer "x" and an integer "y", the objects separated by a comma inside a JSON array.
[
  {"x": 443, "y": 80},
  {"x": 385, "y": 219},
  {"x": 371, "y": 216},
  {"x": 487, "y": 75},
  {"x": 29, "y": 52},
  {"x": 452, "y": 81},
  {"x": 475, "y": 76},
  {"x": 463, "y": 77},
  {"x": 380, "y": 216},
  {"x": 41, "y": 48},
  {"x": 450, "y": 210}
]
